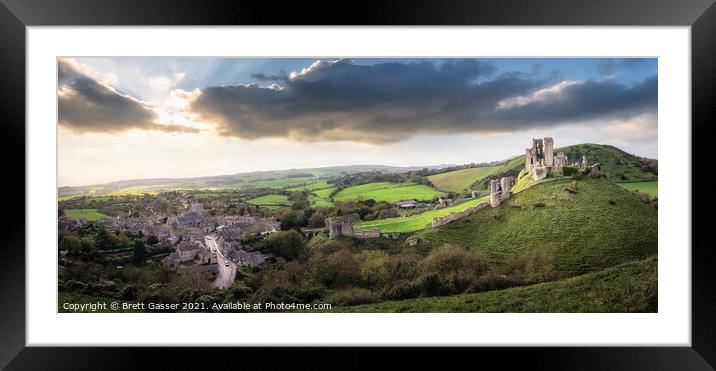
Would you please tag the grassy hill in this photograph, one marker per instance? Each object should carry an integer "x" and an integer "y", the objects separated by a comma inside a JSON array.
[
  {"x": 388, "y": 192},
  {"x": 628, "y": 287},
  {"x": 618, "y": 165},
  {"x": 270, "y": 179},
  {"x": 598, "y": 225},
  {"x": 270, "y": 200},
  {"x": 461, "y": 180}
]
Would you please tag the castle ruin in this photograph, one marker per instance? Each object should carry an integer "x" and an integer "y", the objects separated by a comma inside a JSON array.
[
  {"x": 540, "y": 159},
  {"x": 500, "y": 190},
  {"x": 343, "y": 226}
]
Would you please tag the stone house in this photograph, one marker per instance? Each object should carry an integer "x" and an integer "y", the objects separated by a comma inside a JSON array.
[
  {"x": 247, "y": 259},
  {"x": 187, "y": 251}
]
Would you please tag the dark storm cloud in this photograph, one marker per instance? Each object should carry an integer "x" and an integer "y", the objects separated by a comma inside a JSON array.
[
  {"x": 585, "y": 101},
  {"x": 392, "y": 101},
  {"x": 88, "y": 105},
  {"x": 613, "y": 65}
]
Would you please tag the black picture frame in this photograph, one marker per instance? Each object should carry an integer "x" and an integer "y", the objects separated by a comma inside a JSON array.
[{"x": 16, "y": 15}]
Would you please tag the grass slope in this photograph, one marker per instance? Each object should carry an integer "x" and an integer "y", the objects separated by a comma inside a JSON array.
[
  {"x": 388, "y": 192},
  {"x": 599, "y": 226},
  {"x": 88, "y": 214},
  {"x": 312, "y": 186},
  {"x": 651, "y": 188},
  {"x": 460, "y": 180},
  {"x": 620, "y": 166},
  {"x": 628, "y": 287},
  {"x": 415, "y": 222},
  {"x": 270, "y": 200}
]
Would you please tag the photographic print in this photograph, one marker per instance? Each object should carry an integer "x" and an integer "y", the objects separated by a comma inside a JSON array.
[{"x": 338, "y": 184}]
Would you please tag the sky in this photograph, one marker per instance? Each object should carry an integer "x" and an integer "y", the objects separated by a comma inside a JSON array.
[{"x": 126, "y": 118}]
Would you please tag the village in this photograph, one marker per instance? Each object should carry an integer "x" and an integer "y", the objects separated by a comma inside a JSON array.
[{"x": 200, "y": 242}]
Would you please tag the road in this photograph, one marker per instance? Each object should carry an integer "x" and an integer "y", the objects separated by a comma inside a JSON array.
[{"x": 227, "y": 274}]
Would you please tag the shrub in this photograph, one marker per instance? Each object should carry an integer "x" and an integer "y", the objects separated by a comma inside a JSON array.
[
  {"x": 288, "y": 245},
  {"x": 569, "y": 170},
  {"x": 129, "y": 292},
  {"x": 338, "y": 269},
  {"x": 402, "y": 290},
  {"x": 207, "y": 301},
  {"x": 493, "y": 281},
  {"x": 539, "y": 205},
  {"x": 533, "y": 266},
  {"x": 450, "y": 269},
  {"x": 238, "y": 292},
  {"x": 288, "y": 219},
  {"x": 353, "y": 296},
  {"x": 374, "y": 267}
]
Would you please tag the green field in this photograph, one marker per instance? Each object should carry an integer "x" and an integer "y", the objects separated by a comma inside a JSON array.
[
  {"x": 651, "y": 188},
  {"x": 596, "y": 226},
  {"x": 319, "y": 201},
  {"x": 281, "y": 182},
  {"x": 324, "y": 193},
  {"x": 321, "y": 190},
  {"x": 388, "y": 192},
  {"x": 87, "y": 214},
  {"x": 311, "y": 186},
  {"x": 270, "y": 200},
  {"x": 628, "y": 287},
  {"x": 460, "y": 180},
  {"x": 415, "y": 222}
]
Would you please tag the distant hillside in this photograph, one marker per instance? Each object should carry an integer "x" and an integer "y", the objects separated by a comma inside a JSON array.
[
  {"x": 270, "y": 179},
  {"x": 596, "y": 226},
  {"x": 462, "y": 180},
  {"x": 628, "y": 287}
]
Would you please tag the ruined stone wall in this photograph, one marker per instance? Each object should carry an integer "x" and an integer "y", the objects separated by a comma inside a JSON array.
[
  {"x": 506, "y": 183},
  {"x": 548, "y": 151},
  {"x": 560, "y": 161},
  {"x": 539, "y": 172},
  {"x": 374, "y": 233},
  {"x": 495, "y": 193},
  {"x": 436, "y": 222},
  {"x": 344, "y": 227},
  {"x": 529, "y": 156}
]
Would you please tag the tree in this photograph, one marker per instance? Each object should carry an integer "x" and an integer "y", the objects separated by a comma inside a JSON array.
[
  {"x": 139, "y": 254},
  {"x": 288, "y": 219},
  {"x": 288, "y": 245},
  {"x": 152, "y": 240},
  {"x": 71, "y": 243},
  {"x": 60, "y": 212}
]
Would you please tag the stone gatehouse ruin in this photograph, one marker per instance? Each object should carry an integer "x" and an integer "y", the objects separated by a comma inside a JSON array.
[
  {"x": 343, "y": 226},
  {"x": 500, "y": 190},
  {"x": 540, "y": 159}
]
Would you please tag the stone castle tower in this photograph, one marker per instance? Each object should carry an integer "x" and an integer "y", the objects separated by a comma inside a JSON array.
[
  {"x": 540, "y": 159},
  {"x": 500, "y": 190}
]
